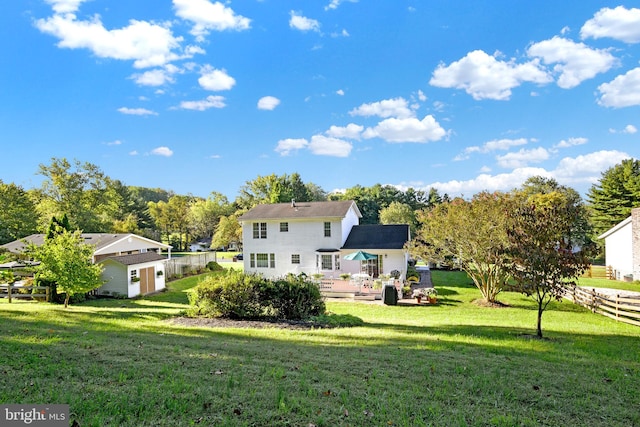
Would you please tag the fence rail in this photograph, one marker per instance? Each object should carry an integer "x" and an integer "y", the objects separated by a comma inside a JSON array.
[
  {"x": 7, "y": 291},
  {"x": 618, "y": 307}
]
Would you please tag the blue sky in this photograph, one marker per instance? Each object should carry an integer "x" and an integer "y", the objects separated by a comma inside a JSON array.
[{"x": 197, "y": 96}]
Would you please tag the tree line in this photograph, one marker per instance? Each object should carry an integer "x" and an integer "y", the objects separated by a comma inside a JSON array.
[{"x": 95, "y": 203}]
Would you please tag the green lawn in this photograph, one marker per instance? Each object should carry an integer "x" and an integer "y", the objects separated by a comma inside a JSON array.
[{"x": 123, "y": 363}]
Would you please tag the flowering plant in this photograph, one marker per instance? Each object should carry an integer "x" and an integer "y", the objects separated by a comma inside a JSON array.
[
  {"x": 425, "y": 293},
  {"x": 420, "y": 293}
]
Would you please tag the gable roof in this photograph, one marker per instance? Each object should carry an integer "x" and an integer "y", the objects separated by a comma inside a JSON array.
[
  {"x": 134, "y": 259},
  {"x": 101, "y": 241},
  {"x": 377, "y": 236},
  {"x": 301, "y": 210},
  {"x": 615, "y": 228}
]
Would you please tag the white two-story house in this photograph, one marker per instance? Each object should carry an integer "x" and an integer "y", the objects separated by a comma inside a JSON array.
[{"x": 314, "y": 238}]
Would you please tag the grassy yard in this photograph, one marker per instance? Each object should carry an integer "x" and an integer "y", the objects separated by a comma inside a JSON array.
[{"x": 124, "y": 363}]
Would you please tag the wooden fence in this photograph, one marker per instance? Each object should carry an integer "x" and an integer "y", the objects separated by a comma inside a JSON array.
[
  {"x": 618, "y": 307},
  {"x": 9, "y": 291}
]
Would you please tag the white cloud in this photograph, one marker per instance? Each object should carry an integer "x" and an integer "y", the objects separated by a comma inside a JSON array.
[
  {"x": 582, "y": 170},
  {"x": 571, "y": 142},
  {"x": 484, "y": 77},
  {"x": 212, "y": 101},
  {"x": 493, "y": 145},
  {"x": 421, "y": 96},
  {"x": 630, "y": 129},
  {"x": 587, "y": 168},
  {"x": 502, "y": 144},
  {"x": 326, "y": 146},
  {"x": 486, "y": 182},
  {"x": 619, "y": 23},
  {"x": 343, "y": 33},
  {"x": 162, "y": 151},
  {"x": 301, "y": 23},
  {"x": 147, "y": 44},
  {"x": 340, "y": 92},
  {"x": 623, "y": 91},
  {"x": 137, "y": 111},
  {"x": 522, "y": 158},
  {"x": 286, "y": 146},
  {"x": 157, "y": 77},
  {"x": 333, "y": 4},
  {"x": 214, "y": 79},
  {"x": 407, "y": 130},
  {"x": 116, "y": 142},
  {"x": 351, "y": 131},
  {"x": 65, "y": 6},
  {"x": 133, "y": 153},
  {"x": 397, "y": 107},
  {"x": 575, "y": 62},
  {"x": 208, "y": 16},
  {"x": 268, "y": 103}
]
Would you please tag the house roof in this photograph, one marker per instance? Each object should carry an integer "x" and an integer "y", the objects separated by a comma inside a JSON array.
[
  {"x": 134, "y": 259},
  {"x": 615, "y": 228},
  {"x": 301, "y": 210},
  {"x": 101, "y": 241},
  {"x": 377, "y": 236}
]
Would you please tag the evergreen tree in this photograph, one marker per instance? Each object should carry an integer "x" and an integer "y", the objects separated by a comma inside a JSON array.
[{"x": 613, "y": 197}]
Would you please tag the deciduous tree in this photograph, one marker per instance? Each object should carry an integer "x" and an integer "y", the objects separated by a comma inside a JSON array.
[
  {"x": 473, "y": 234},
  {"x": 66, "y": 260},
  {"x": 399, "y": 213},
  {"x": 547, "y": 252},
  {"x": 229, "y": 230},
  {"x": 80, "y": 190},
  {"x": 18, "y": 217}
]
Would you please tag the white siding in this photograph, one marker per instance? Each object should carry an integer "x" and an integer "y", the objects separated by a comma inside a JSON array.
[
  {"x": 118, "y": 278},
  {"x": 619, "y": 251},
  {"x": 304, "y": 238}
]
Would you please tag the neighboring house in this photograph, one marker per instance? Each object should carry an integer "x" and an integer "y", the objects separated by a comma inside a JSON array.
[
  {"x": 202, "y": 245},
  {"x": 314, "y": 237},
  {"x": 622, "y": 247},
  {"x": 133, "y": 265}
]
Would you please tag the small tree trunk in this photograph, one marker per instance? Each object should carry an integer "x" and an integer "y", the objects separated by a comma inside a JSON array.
[
  {"x": 66, "y": 300},
  {"x": 540, "y": 310}
]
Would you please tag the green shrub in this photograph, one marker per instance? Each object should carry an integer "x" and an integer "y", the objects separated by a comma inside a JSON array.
[
  {"x": 234, "y": 295},
  {"x": 237, "y": 295},
  {"x": 338, "y": 320},
  {"x": 214, "y": 266},
  {"x": 293, "y": 298}
]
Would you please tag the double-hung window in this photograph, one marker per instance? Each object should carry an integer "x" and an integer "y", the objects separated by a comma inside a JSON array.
[
  {"x": 327, "y": 229},
  {"x": 259, "y": 230}
]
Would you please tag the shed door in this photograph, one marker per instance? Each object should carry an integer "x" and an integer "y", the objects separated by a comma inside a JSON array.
[{"x": 147, "y": 280}]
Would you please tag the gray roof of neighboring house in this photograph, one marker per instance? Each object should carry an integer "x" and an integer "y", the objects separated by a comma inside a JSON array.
[
  {"x": 301, "y": 210},
  {"x": 99, "y": 240},
  {"x": 377, "y": 236},
  {"x": 134, "y": 259}
]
